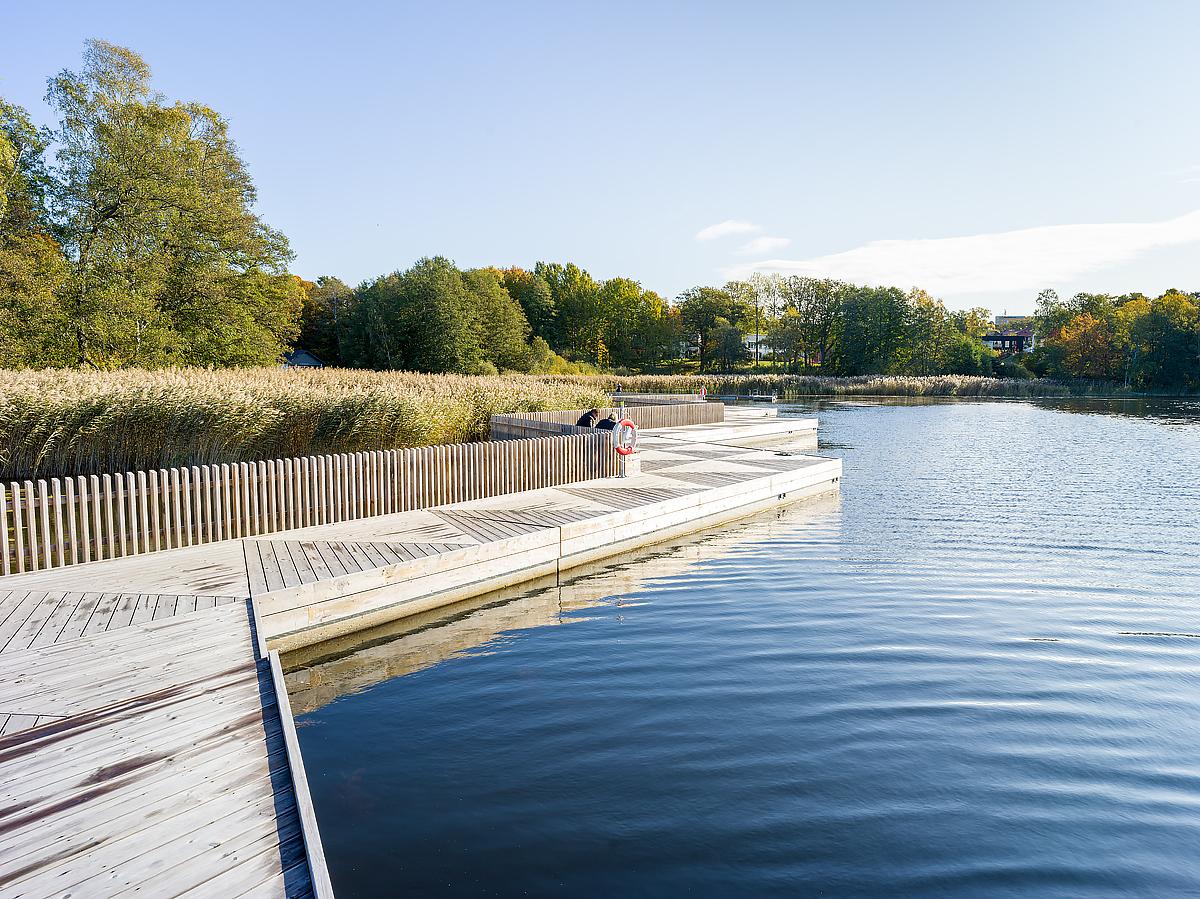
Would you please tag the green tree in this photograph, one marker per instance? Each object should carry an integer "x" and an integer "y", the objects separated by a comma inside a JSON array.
[
  {"x": 788, "y": 336},
  {"x": 533, "y": 293},
  {"x": 167, "y": 262},
  {"x": 33, "y": 324},
  {"x": 872, "y": 331},
  {"x": 729, "y": 348},
  {"x": 418, "y": 320},
  {"x": 931, "y": 330},
  {"x": 325, "y": 318},
  {"x": 578, "y": 328},
  {"x": 1169, "y": 338},
  {"x": 966, "y": 355},
  {"x": 701, "y": 308},
  {"x": 499, "y": 321}
]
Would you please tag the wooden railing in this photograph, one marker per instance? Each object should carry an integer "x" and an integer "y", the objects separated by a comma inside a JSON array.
[
  {"x": 523, "y": 425},
  {"x": 64, "y": 521}
]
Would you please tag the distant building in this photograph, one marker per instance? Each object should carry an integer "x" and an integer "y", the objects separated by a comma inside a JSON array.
[
  {"x": 1011, "y": 342},
  {"x": 299, "y": 358},
  {"x": 759, "y": 346}
]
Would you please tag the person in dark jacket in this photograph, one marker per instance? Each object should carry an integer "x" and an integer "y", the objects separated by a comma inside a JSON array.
[
  {"x": 588, "y": 419},
  {"x": 609, "y": 423}
]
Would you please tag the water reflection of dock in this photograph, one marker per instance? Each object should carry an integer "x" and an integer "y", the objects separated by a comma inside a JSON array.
[{"x": 317, "y": 675}]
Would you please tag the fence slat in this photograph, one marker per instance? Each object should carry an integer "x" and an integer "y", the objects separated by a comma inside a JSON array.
[
  {"x": 97, "y": 512},
  {"x": 18, "y": 527},
  {"x": 72, "y": 522},
  {"x": 32, "y": 516},
  {"x": 227, "y": 501},
  {"x": 131, "y": 499},
  {"x": 43, "y": 502},
  {"x": 181, "y": 497},
  {"x": 85, "y": 531},
  {"x": 148, "y": 510}
]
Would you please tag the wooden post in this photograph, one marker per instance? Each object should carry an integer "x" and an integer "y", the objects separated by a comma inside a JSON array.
[
  {"x": 97, "y": 510},
  {"x": 5, "y": 564},
  {"x": 72, "y": 522},
  {"x": 179, "y": 498},
  {"x": 148, "y": 507},
  {"x": 44, "y": 524}
]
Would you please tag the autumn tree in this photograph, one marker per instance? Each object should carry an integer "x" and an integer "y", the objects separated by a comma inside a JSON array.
[
  {"x": 1168, "y": 336},
  {"x": 1088, "y": 349}
]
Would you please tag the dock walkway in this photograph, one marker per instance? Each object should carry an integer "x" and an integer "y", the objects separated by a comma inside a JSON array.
[{"x": 146, "y": 743}]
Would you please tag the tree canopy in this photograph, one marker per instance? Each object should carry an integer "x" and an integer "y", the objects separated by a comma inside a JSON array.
[{"x": 137, "y": 240}]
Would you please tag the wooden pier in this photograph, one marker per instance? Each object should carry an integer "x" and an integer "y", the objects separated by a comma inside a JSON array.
[{"x": 146, "y": 742}]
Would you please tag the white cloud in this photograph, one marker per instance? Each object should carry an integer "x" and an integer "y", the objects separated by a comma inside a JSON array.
[
  {"x": 982, "y": 263},
  {"x": 763, "y": 245},
  {"x": 725, "y": 228},
  {"x": 1188, "y": 174}
]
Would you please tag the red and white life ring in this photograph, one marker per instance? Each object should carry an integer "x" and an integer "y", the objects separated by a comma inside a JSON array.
[
  {"x": 624, "y": 437},
  {"x": 703, "y": 392}
]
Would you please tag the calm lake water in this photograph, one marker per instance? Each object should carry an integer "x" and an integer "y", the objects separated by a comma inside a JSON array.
[{"x": 976, "y": 672}]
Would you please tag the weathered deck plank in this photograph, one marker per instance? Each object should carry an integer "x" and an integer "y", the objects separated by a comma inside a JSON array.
[{"x": 146, "y": 758}]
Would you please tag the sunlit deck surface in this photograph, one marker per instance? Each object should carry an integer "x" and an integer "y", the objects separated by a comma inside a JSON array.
[
  {"x": 142, "y": 746},
  {"x": 142, "y": 754}
]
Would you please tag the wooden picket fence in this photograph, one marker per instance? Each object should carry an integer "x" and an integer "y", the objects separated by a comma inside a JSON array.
[{"x": 65, "y": 521}]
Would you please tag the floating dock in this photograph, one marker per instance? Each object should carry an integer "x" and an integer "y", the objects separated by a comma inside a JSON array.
[{"x": 146, "y": 741}]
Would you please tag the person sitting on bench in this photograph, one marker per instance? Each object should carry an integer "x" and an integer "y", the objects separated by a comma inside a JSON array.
[
  {"x": 607, "y": 424},
  {"x": 588, "y": 419}
]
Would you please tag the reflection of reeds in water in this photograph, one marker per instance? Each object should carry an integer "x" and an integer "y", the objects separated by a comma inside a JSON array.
[{"x": 317, "y": 675}]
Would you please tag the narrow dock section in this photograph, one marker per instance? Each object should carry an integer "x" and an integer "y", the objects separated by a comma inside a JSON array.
[{"x": 144, "y": 756}]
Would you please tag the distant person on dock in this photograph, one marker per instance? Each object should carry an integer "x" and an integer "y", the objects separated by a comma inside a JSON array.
[
  {"x": 588, "y": 419},
  {"x": 607, "y": 424}
]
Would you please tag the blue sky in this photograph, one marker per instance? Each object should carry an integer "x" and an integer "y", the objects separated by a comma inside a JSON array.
[{"x": 981, "y": 150}]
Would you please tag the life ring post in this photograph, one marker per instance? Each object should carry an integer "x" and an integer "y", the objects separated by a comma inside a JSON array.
[{"x": 624, "y": 438}]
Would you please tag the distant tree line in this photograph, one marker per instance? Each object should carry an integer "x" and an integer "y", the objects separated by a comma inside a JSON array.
[
  {"x": 437, "y": 317},
  {"x": 127, "y": 238},
  {"x": 1139, "y": 342},
  {"x": 807, "y": 325}
]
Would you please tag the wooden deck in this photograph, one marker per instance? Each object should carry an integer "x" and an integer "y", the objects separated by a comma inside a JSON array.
[
  {"x": 30, "y": 619},
  {"x": 147, "y": 757},
  {"x": 146, "y": 741}
]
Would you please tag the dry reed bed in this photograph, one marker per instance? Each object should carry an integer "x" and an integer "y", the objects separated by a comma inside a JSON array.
[
  {"x": 55, "y": 422},
  {"x": 809, "y": 385}
]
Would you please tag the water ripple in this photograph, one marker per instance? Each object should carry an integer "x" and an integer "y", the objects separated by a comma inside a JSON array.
[{"x": 973, "y": 674}]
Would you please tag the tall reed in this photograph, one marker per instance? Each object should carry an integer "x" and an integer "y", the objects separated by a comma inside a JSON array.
[{"x": 55, "y": 422}]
